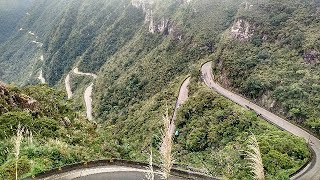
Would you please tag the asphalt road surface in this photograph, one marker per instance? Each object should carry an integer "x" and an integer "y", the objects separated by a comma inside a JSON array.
[
  {"x": 123, "y": 175},
  {"x": 106, "y": 173},
  {"x": 88, "y": 101},
  {"x": 87, "y": 93},
  {"x": 312, "y": 170},
  {"x": 68, "y": 86},
  {"x": 182, "y": 97},
  {"x": 118, "y": 172}
]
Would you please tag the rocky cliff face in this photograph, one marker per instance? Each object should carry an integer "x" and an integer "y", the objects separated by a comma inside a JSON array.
[
  {"x": 10, "y": 100},
  {"x": 164, "y": 26},
  {"x": 242, "y": 30},
  {"x": 145, "y": 5}
]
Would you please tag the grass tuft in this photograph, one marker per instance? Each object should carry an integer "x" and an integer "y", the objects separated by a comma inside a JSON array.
[
  {"x": 255, "y": 160},
  {"x": 166, "y": 147},
  {"x": 17, "y": 145},
  {"x": 150, "y": 171}
]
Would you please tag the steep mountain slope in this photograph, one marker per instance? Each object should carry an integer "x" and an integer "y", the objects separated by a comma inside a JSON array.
[
  {"x": 120, "y": 35},
  {"x": 272, "y": 57},
  {"x": 53, "y": 130},
  {"x": 11, "y": 12},
  {"x": 141, "y": 51}
]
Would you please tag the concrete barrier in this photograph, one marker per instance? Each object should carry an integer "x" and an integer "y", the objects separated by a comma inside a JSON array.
[{"x": 118, "y": 162}]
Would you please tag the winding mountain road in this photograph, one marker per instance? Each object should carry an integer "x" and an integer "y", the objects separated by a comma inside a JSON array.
[
  {"x": 312, "y": 170},
  {"x": 182, "y": 97},
  {"x": 87, "y": 93},
  {"x": 31, "y": 33},
  {"x": 76, "y": 71},
  {"x": 68, "y": 86},
  {"x": 41, "y": 78},
  {"x": 39, "y": 44},
  {"x": 121, "y": 172},
  {"x": 88, "y": 100}
]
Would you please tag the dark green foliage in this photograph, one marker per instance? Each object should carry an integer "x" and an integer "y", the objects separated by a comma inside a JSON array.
[
  {"x": 40, "y": 126},
  {"x": 279, "y": 68},
  {"x": 113, "y": 40},
  {"x": 8, "y": 170},
  {"x": 139, "y": 74},
  {"x": 213, "y": 133},
  {"x": 149, "y": 62},
  {"x": 11, "y": 12},
  {"x": 55, "y": 135}
]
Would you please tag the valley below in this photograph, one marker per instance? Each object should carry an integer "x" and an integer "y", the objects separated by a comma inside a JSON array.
[{"x": 218, "y": 89}]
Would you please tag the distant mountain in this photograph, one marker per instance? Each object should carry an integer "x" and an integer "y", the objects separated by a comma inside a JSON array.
[{"x": 11, "y": 13}]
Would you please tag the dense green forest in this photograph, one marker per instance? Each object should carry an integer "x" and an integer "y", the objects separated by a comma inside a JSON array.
[
  {"x": 11, "y": 12},
  {"x": 280, "y": 66},
  {"x": 214, "y": 132},
  {"x": 55, "y": 134},
  {"x": 141, "y": 51}
]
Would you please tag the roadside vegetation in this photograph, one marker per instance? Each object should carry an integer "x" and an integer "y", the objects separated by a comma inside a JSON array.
[
  {"x": 214, "y": 134},
  {"x": 139, "y": 73},
  {"x": 40, "y": 131},
  {"x": 278, "y": 67}
]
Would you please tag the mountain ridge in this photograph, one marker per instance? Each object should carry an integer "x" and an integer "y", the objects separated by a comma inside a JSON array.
[{"x": 141, "y": 51}]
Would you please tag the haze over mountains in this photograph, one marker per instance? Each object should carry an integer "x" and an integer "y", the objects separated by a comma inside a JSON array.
[
  {"x": 11, "y": 13},
  {"x": 131, "y": 56}
]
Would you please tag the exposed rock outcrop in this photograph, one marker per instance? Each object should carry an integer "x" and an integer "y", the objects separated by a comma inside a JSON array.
[
  {"x": 66, "y": 122},
  {"x": 145, "y": 5},
  {"x": 176, "y": 33},
  {"x": 242, "y": 30},
  {"x": 10, "y": 100},
  {"x": 26, "y": 102},
  {"x": 41, "y": 78},
  {"x": 165, "y": 26}
]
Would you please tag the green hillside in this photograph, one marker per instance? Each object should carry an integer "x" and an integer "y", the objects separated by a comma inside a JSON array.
[
  {"x": 280, "y": 66},
  {"x": 55, "y": 134},
  {"x": 11, "y": 12},
  {"x": 141, "y": 51}
]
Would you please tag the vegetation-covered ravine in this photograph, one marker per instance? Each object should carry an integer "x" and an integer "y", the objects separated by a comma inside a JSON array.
[{"x": 139, "y": 53}]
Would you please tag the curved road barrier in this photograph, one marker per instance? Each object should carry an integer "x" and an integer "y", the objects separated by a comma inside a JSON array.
[
  {"x": 122, "y": 169},
  {"x": 309, "y": 172},
  {"x": 39, "y": 44},
  {"x": 112, "y": 169}
]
